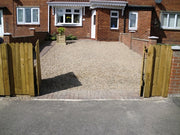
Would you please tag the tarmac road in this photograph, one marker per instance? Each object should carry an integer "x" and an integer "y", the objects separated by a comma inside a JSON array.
[{"x": 122, "y": 117}]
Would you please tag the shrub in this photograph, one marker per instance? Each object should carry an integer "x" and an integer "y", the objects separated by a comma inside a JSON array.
[
  {"x": 61, "y": 30},
  {"x": 71, "y": 37},
  {"x": 52, "y": 36}
]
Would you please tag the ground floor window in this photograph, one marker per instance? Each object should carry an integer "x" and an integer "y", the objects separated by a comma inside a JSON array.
[
  {"x": 28, "y": 15},
  {"x": 133, "y": 20},
  {"x": 170, "y": 20},
  {"x": 67, "y": 16},
  {"x": 114, "y": 19}
]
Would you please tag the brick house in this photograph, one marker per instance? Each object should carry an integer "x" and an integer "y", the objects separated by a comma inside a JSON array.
[{"x": 101, "y": 20}]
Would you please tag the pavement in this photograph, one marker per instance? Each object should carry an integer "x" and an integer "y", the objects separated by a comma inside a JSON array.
[{"x": 152, "y": 116}]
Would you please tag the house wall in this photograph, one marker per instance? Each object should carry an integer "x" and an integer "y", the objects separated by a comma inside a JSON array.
[
  {"x": 165, "y": 36},
  {"x": 148, "y": 21},
  {"x": 103, "y": 31},
  {"x": 21, "y": 30},
  {"x": 10, "y": 19},
  {"x": 83, "y": 31},
  {"x": 144, "y": 23},
  {"x": 8, "y": 13}
]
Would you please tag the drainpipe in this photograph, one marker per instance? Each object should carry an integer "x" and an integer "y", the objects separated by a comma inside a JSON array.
[
  {"x": 124, "y": 20},
  {"x": 48, "y": 17},
  {"x": 14, "y": 25}
]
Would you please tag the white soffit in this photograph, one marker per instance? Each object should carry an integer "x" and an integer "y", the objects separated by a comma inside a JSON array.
[
  {"x": 69, "y": 4},
  {"x": 92, "y": 4}
]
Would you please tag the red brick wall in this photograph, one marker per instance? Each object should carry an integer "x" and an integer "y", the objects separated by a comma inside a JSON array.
[
  {"x": 138, "y": 45},
  {"x": 83, "y": 31},
  {"x": 103, "y": 31},
  {"x": 30, "y": 39},
  {"x": 126, "y": 39},
  {"x": 174, "y": 86}
]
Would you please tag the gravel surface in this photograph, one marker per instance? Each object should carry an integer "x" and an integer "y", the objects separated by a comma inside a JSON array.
[{"x": 89, "y": 65}]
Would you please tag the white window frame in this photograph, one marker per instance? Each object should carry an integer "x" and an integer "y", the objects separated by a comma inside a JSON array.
[
  {"x": 24, "y": 21},
  {"x": 111, "y": 16},
  {"x": 72, "y": 15},
  {"x": 136, "y": 13},
  {"x": 175, "y": 22}
]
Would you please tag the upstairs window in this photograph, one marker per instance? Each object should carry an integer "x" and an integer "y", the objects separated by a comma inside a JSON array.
[
  {"x": 27, "y": 15},
  {"x": 133, "y": 20},
  {"x": 68, "y": 17},
  {"x": 114, "y": 19},
  {"x": 170, "y": 20}
]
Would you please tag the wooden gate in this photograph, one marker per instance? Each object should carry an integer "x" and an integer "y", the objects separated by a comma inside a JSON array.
[
  {"x": 156, "y": 71},
  {"x": 17, "y": 74}
]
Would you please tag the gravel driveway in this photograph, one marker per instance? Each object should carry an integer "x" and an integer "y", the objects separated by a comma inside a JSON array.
[{"x": 90, "y": 69}]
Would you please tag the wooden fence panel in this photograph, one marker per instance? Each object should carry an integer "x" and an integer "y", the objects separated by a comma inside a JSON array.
[
  {"x": 17, "y": 69},
  {"x": 4, "y": 71},
  {"x": 22, "y": 63},
  {"x": 38, "y": 67}
]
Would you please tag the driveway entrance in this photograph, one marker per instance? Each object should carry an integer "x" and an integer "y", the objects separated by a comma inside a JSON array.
[{"x": 90, "y": 69}]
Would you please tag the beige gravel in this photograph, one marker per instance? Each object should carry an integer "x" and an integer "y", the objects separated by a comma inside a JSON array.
[{"x": 91, "y": 65}]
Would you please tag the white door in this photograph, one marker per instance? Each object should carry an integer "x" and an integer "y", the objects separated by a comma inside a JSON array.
[
  {"x": 93, "y": 24},
  {"x": 1, "y": 24}
]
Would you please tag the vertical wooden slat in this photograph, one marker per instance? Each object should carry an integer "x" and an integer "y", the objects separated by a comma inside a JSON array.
[
  {"x": 1, "y": 74},
  {"x": 155, "y": 90},
  {"x": 10, "y": 62},
  {"x": 38, "y": 67},
  {"x": 148, "y": 73},
  {"x": 31, "y": 71},
  {"x": 26, "y": 68},
  {"x": 22, "y": 65},
  {"x": 5, "y": 69},
  {"x": 18, "y": 88}
]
